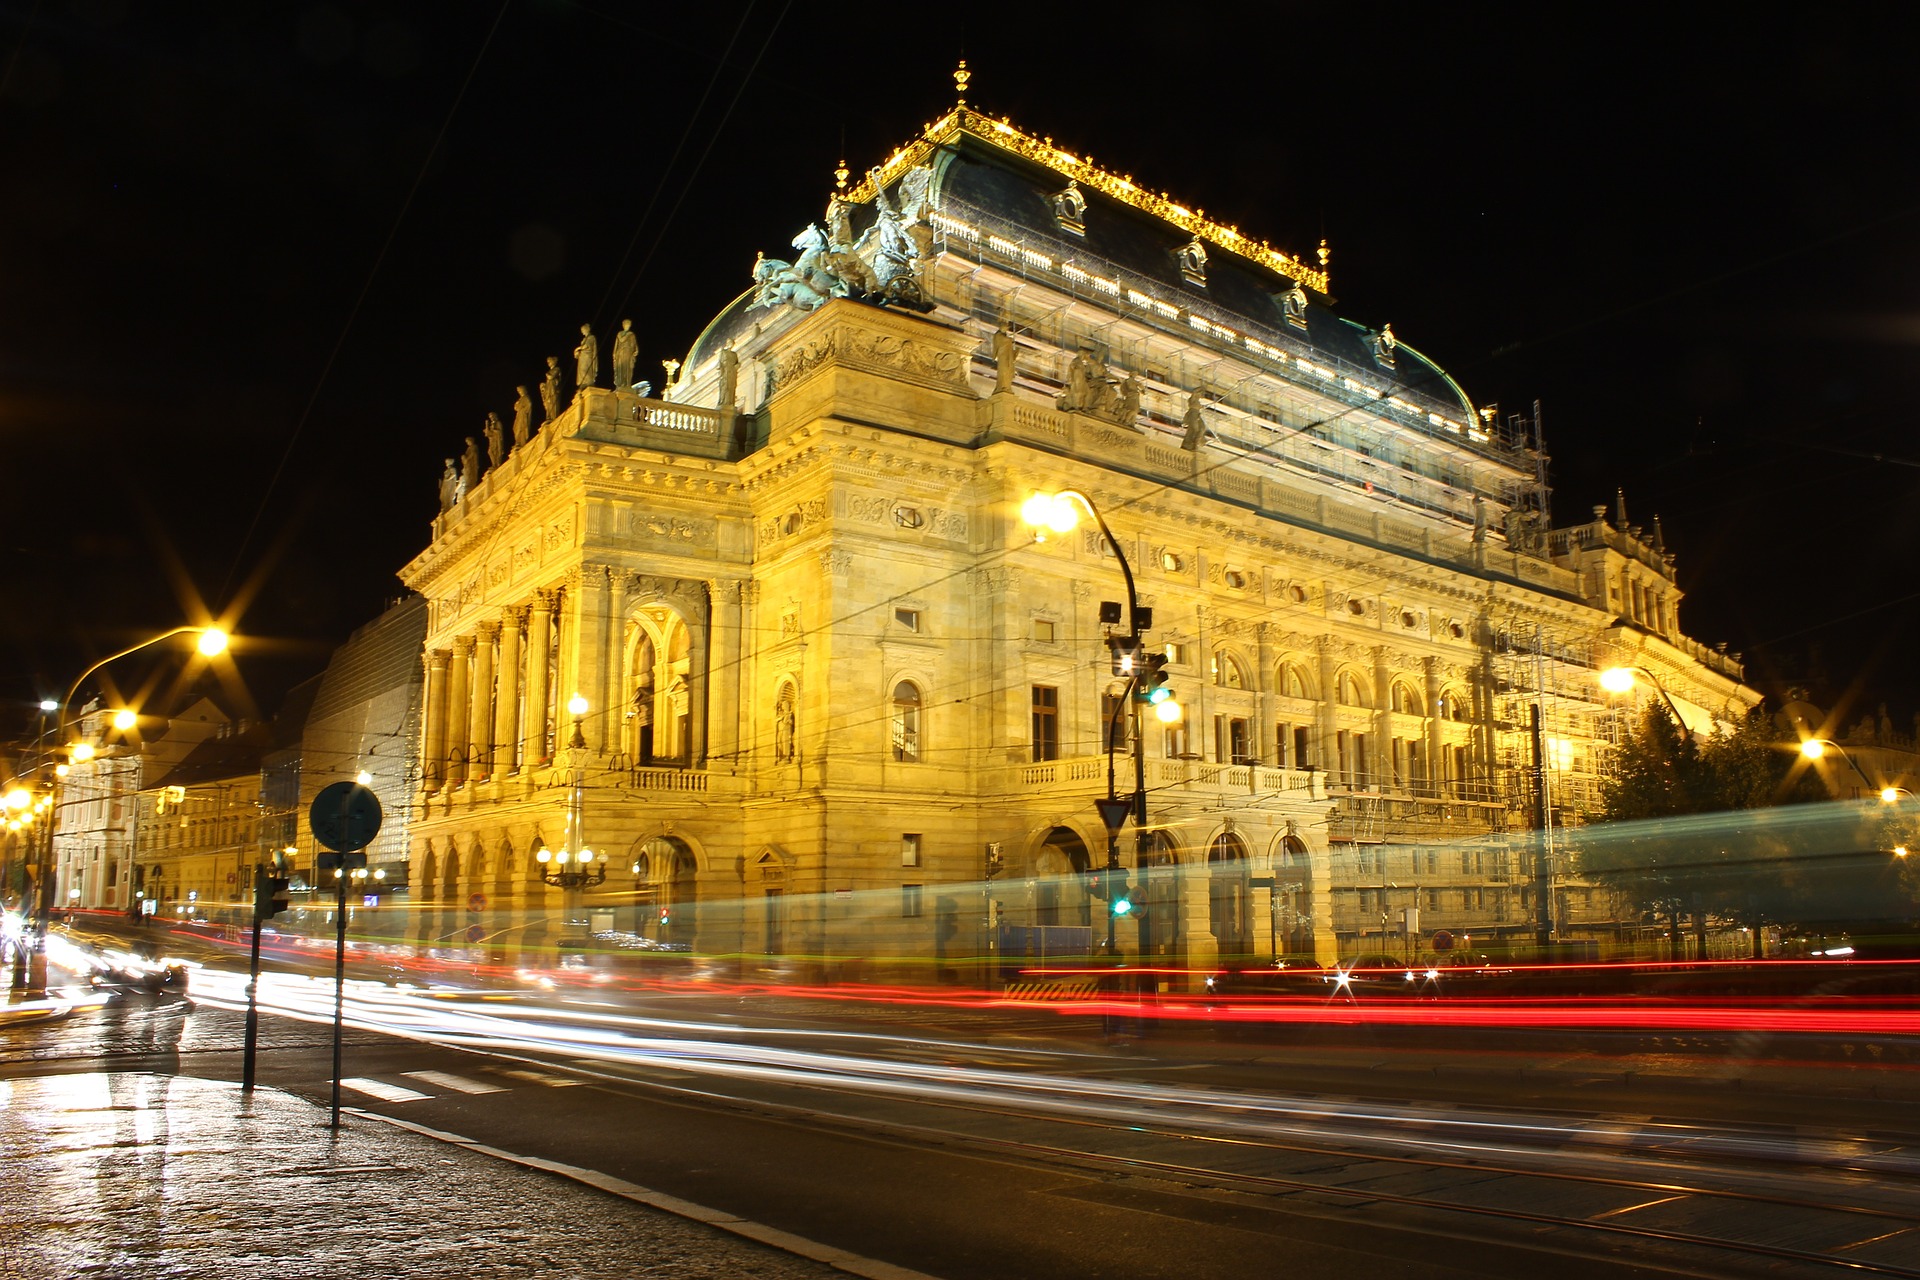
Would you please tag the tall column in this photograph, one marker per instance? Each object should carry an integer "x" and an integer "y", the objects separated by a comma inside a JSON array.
[
  {"x": 589, "y": 656},
  {"x": 539, "y": 655},
  {"x": 457, "y": 702},
  {"x": 507, "y": 697},
  {"x": 1436, "y": 769},
  {"x": 699, "y": 667},
  {"x": 1262, "y": 737},
  {"x": 746, "y": 675},
  {"x": 611, "y": 698},
  {"x": 480, "y": 701},
  {"x": 1325, "y": 756},
  {"x": 433, "y": 742},
  {"x": 1382, "y": 762},
  {"x": 722, "y": 690}
]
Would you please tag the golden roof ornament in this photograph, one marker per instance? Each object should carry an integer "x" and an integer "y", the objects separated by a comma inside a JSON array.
[
  {"x": 1325, "y": 253},
  {"x": 960, "y": 77},
  {"x": 840, "y": 175}
]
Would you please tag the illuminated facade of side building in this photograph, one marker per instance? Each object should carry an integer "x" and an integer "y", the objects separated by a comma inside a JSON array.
[{"x": 841, "y": 700}]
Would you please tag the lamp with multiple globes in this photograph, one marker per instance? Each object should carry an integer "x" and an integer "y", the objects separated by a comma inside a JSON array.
[{"x": 1817, "y": 749}]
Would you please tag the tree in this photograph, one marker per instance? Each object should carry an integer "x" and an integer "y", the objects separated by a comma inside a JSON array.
[{"x": 1666, "y": 858}]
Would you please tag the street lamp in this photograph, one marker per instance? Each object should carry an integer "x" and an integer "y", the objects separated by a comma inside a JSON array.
[
  {"x": 1815, "y": 749},
  {"x": 1621, "y": 680},
  {"x": 1060, "y": 513},
  {"x": 574, "y": 868}
]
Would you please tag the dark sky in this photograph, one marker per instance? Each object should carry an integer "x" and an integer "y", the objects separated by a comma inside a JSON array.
[{"x": 262, "y": 266}]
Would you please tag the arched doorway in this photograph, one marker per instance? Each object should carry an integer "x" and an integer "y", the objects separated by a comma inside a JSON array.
[
  {"x": 1229, "y": 895},
  {"x": 1156, "y": 895},
  {"x": 1059, "y": 882},
  {"x": 665, "y": 890},
  {"x": 1293, "y": 898}
]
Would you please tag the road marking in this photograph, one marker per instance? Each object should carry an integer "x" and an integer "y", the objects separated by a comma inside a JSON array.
[
  {"x": 534, "y": 1077},
  {"x": 385, "y": 1092},
  {"x": 459, "y": 1084},
  {"x": 1858, "y": 1244},
  {"x": 837, "y": 1258}
]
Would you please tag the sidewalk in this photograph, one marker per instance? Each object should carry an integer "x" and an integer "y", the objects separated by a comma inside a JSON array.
[{"x": 127, "y": 1176}]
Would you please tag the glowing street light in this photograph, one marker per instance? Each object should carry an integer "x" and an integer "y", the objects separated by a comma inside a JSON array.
[{"x": 1817, "y": 748}]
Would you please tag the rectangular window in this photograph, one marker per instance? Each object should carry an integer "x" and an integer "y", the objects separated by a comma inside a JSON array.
[
  {"x": 1362, "y": 766},
  {"x": 909, "y": 619},
  {"x": 910, "y": 850},
  {"x": 1302, "y": 756},
  {"x": 1239, "y": 741},
  {"x": 1433, "y": 899},
  {"x": 1043, "y": 631},
  {"x": 1282, "y": 740},
  {"x": 1176, "y": 654},
  {"x": 1176, "y": 743},
  {"x": 1046, "y": 722},
  {"x": 1343, "y": 757},
  {"x": 909, "y": 900}
]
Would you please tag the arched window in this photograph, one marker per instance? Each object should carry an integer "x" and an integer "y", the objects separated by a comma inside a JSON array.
[
  {"x": 1293, "y": 682},
  {"x": 1453, "y": 706},
  {"x": 786, "y": 707},
  {"x": 1348, "y": 691},
  {"x": 1227, "y": 671},
  {"x": 1406, "y": 700},
  {"x": 906, "y": 721}
]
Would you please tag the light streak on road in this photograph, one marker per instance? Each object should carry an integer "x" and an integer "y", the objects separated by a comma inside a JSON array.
[{"x": 616, "y": 1041}]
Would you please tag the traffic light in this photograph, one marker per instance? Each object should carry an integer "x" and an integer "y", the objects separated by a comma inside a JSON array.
[
  {"x": 1119, "y": 895},
  {"x": 1126, "y": 651},
  {"x": 270, "y": 895},
  {"x": 1151, "y": 687}
]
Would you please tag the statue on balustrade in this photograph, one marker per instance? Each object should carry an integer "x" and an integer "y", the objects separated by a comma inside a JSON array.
[
  {"x": 586, "y": 360},
  {"x": 1195, "y": 423},
  {"x": 1126, "y": 404},
  {"x": 1086, "y": 384},
  {"x": 496, "y": 431},
  {"x": 449, "y": 488},
  {"x": 1479, "y": 519},
  {"x": 626, "y": 353},
  {"x": 470, "y": 467},
  {"x": 522, "y": 416},
  {"x": 729, "y": 378},
  {"x": 1004, "y": 369},
  {"x": 550, "y": 388}
]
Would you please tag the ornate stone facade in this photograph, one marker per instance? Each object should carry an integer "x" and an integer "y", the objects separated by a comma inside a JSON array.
[{"x": 841, "y": 701}]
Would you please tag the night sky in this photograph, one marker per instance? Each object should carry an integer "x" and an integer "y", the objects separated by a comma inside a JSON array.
[{"x": 262, "y": 266}]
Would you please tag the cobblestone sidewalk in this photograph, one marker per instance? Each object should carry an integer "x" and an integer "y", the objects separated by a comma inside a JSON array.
[{"x": 132, "y": 1175}]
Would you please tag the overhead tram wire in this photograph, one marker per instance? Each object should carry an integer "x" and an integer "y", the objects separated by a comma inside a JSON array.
[
  {"x": 366, "y": 287},
  {"x": 687, "y": 186},
  {"x": 693, "y": 118}
]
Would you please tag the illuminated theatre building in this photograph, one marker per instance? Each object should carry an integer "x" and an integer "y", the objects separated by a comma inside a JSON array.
[{"x": 841, "y": 700}]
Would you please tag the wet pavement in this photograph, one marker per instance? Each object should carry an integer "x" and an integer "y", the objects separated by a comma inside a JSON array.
[{"x": 140, "y": 1173}]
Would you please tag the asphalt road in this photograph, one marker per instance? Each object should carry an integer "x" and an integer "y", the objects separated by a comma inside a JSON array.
[{"x": 913, "y": 1137}]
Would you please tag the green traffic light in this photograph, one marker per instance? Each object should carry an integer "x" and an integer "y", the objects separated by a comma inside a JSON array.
[
  {"x": 1122, "y": 906},
  {"x": 1159, "y": 695}
]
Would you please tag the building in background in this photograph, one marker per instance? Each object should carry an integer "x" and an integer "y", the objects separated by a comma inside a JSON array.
[{"x": 836, "y": 697}]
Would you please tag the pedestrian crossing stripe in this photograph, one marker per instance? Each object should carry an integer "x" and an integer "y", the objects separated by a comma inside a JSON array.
[
  {"x": 534, "y": 1077},
  {"x": 459, "y": 1084},
  {"x": 381, "y": 1090}
]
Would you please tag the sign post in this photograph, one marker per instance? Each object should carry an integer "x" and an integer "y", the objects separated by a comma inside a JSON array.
[{"x": 345, "y": 817}]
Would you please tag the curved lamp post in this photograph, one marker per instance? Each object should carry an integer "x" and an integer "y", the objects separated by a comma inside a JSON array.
[
  {"x": 1817, "y": 748},
  {"x": 1060, "y": 513},
  {"x": 212, "y": 642},
  {"x": 1621, "y": 680}
]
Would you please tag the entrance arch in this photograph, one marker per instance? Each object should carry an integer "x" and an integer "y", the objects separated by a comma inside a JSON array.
[
  {"x": 666, "y": 890},
  {"x": 1229, "y": 895},
  {"x": 1293, "y": 897},
  {"x": 1059, "y": 883}
]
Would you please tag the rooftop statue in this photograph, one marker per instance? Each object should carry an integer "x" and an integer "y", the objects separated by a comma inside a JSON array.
[
  {"x": 470, "y": 467},
  {"x": 808, "y": 280},
  {"x": 1126, "y": 408},
  {"x": 1195, "y": 422},
  {"x": 626, "y": 353},
  {"x": 1087, "y": 385},
  {"x": 449, "y": 488},
  {"x": 1004, "y": 369},
  {"x": 522, "y": 416},
  {"x": 586, "y": 360},
  {"x": 550, "y": 388},
  {"x": 496, "y": 439},
  {"x": 729, "y": 378}
]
